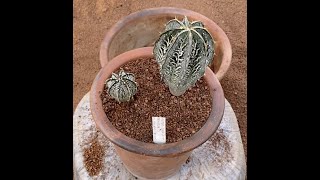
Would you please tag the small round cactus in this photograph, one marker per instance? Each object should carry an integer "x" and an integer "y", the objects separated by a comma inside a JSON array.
[
  {"x": 122, "y": 87},
  {"x": 183, "y": 51}
]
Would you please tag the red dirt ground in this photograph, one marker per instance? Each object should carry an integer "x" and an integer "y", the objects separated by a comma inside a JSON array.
[{"x": 92, "y": 19}]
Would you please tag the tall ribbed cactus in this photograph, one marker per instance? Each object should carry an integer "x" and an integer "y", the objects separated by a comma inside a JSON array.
[
  {"x": 122, "y": 86},
  {"x": 183, "y": 51}
]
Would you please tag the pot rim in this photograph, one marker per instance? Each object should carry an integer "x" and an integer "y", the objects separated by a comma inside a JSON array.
[
  {"x": 150, "y": 149},
  {"x": 209, "y": 24}
]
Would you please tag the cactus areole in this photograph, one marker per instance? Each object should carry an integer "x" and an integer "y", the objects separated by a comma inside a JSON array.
[
  {"x": 122, "y": 87},
  {"x": 183, "y": 51}
]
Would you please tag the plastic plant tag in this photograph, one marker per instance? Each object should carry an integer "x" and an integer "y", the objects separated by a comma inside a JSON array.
[{"x": 159, "y": 130}]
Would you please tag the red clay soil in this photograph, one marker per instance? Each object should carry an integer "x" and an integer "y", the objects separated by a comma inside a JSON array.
[
  {"x": 93, "y": 158},
  {"x": 185, "y": 114},
  {"x": 92, "y": 19}
]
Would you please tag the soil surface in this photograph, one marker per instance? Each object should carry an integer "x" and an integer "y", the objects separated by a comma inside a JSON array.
[
  {"x": 185, "y": 114},
  {"x": 93, "y": 158},
  {"x": 219, "y": 140},
  {"x": 93, "y": 18}
]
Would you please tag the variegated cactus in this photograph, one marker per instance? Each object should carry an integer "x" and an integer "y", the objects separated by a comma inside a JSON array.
[
  {"x": 122, "y": 86},
  {"x": 183, "y": 51}
]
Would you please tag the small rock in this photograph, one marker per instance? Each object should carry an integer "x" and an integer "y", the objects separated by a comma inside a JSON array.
[{"x": 182, "y": 104}]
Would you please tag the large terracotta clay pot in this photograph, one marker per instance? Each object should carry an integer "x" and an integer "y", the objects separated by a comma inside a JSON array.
[
  {"x": 148, "y": 160},
  {"x": 142, "y": 28}
]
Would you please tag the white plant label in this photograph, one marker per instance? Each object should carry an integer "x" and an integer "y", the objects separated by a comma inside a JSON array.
[{"x": 159, "y": 130}]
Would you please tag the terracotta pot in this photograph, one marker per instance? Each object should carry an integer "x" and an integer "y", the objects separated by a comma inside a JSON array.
[
  {"x": 141, "y": 29},
  {"x": 148, "y": 160}
]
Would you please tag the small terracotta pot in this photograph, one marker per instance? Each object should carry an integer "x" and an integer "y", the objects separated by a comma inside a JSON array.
[
  {"x": 142, "y": 28},
  {"x": 148, "y": 160}
]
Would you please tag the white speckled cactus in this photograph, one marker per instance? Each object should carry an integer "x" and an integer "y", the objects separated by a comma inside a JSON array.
[
  {"x": 122, "y": 86},
  {"x": 183, "y": 51}
]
